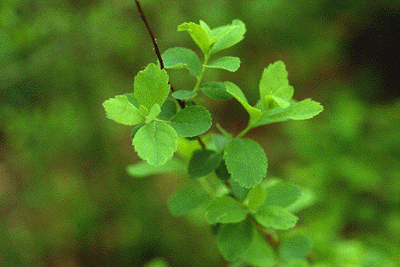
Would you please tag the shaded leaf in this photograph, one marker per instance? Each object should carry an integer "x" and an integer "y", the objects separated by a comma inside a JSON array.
[
  {"x": 191, "y": 121},
  {"x": 295, "y": 247},
  {"x": 203, "y": 162},
  {"x": 187, "y": 200},
  {"x": 234, "y": 239},
  {"x": 168, "y": 110},
  {"x": 183, "y": 94},
  {"x": 143, "y": 168},
  {"x": 275, "y": 217},
  {"x": 246, "y": 162},
  {"x": 282, "y": 195},
  {"x": 216, "y": 91},
  {"x": 225, "y": 210},
  {"x": 260, "y": 253}
]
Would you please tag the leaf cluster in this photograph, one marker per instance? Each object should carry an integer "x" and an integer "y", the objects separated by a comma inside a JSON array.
[{"x": 242, "y": 202}]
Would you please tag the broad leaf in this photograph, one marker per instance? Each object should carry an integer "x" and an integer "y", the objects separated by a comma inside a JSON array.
[
  {"x": 227, "y": 63},
  {"x": 198, "y": 34},
  {"x": 179, "y": 57},
  {"x": 234, "y": 239},
  {"x": 238, "y": 191},
  {"x": 156, "y": 143},
  {"x": 275, "y": 217},
  {"x": 255, "y": 197},
  {"x": 227, "y": 36},
  {"x": 238, "y": 94},
  {"x": 295, "y": 247},
  {"x": 225, "y": 210},
  {"x": 246, "y": 162},
  {"x": 187, "y": 200},
  {"x": 168, "y": 110},
  {"x": 122, "y": 111},
  {"x": 191, "y": 121},
  {"x": 203, "y": 162},
  {"x": 260, "y": 253},
  {"x": 282, "y": 195},
  {"x": 151, "y": 86},
  {"x": 216, "y": 91},
  {"x": 143, "y": 168},
  {"x": 183, "y": 94}
]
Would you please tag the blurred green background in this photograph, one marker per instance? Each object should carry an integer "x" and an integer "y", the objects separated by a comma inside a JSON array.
[{"x": 65, "y": 197}]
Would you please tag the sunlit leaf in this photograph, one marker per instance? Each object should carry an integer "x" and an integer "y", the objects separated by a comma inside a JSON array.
[
  {"x": 256, "y": 197},
  {"x": 227, "y": 36},
  {"x": 183, "y": 94},
  {"x": 151, "y": 86},
  {"x": 122, "y": 111},
  {"x": 143, "y": 168},
  {"x": 227, "y": 63},
  {"x": 198, "y": 34},
  {"x": 156, "y": 143}
]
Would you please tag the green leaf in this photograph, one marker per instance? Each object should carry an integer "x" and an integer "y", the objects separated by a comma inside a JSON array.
[
  {"x": 302, "y": 110},
  {"x": 260, "y": 253},
  {"x": 151, "y": 86},
  {"x": 227, "y": 36},
  {"x": 191, "y": 121},
  {"x": 153, "y": 113},
  {"x": 295, "y": 247},
  {"x": 203, "y": 162},
  {"x": 238, "y": 191},
  {"x": 231, "y": 64},
  {"x": 183, "y": 94},
  {"x": 205, "y": 27},
  {"x": 282, "y": 195},
  {"x": 238, "y": 94},
  {"x": 143, "y": 168},
  {"x": 274, "y": 82},
  {"x": 216, "y": 91},
  {"x": 275, "y": 217},
  {"x": 187, "y": 200},
  {"x": 168, "y": 110},
  {"x": 198, "y": 34},
  {"x": 225, "y": 210},
  {"x": 156, "y": 143},
  {"x": 122, "y": 111},
  {"x": 132, "y": 98},
  {"x": 157, "y": 262},
  {"x": 246, "y": 162},
  {"x": 136, "y": 129},
  {"x": 222, "y": 172},
  {"x": 256, "y": 197},
  {"x": 234, "y": 239},
  {"x": 179, "y": 57}
]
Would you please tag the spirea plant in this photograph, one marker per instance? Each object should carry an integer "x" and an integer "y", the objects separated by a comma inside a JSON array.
[{"x": 247, "y": 212}]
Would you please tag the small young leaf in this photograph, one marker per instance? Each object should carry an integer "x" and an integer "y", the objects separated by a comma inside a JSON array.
[
  {"x": 205, "y": 27},
  {"x": 274, "y": 81},
  {"x": 231, "y": 64},
  {"x": 122, "y": 111},
  {"x": 156, "y": 143},
  {"x": 203, "y": 162},
  {"x": 234, "y": 239},
  {"x": 295, "y": 247},
  {"x": 228, "y": 36},
  {"x": 187, "y": 200},
  {"x": 168, "y": 110},
  {"x": 151, "y": 86},
  {"x": 275, "y": 217},
  {"x": 183, "y": 94},
  {"x": 238, "y": 94},
  {"x": 153, "y": 113},
  {"x": 260, "y": 253},
  {"x": 198, "y": 34},
  {"x": 143, "y": 168},
  {"x": 256, "y": 197},
  {"x": 282, "y": 195},
  {"x": 225, "y": 210},
  {"x": 191, "y": 121},
  {"x": 246, "y": 162},
  {"x": 179, "y": 57},
  {"x": 216, "y": 91}
]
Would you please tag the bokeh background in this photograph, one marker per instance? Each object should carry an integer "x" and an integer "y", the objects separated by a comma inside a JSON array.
[{"x": 65, "y": 196}]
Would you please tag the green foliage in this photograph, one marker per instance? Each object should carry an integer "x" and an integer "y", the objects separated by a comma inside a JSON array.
[{"x": 238, "y": 204}]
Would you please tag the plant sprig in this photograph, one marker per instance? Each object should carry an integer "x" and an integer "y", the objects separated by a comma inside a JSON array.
[{"x": 243, "y": 202}]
